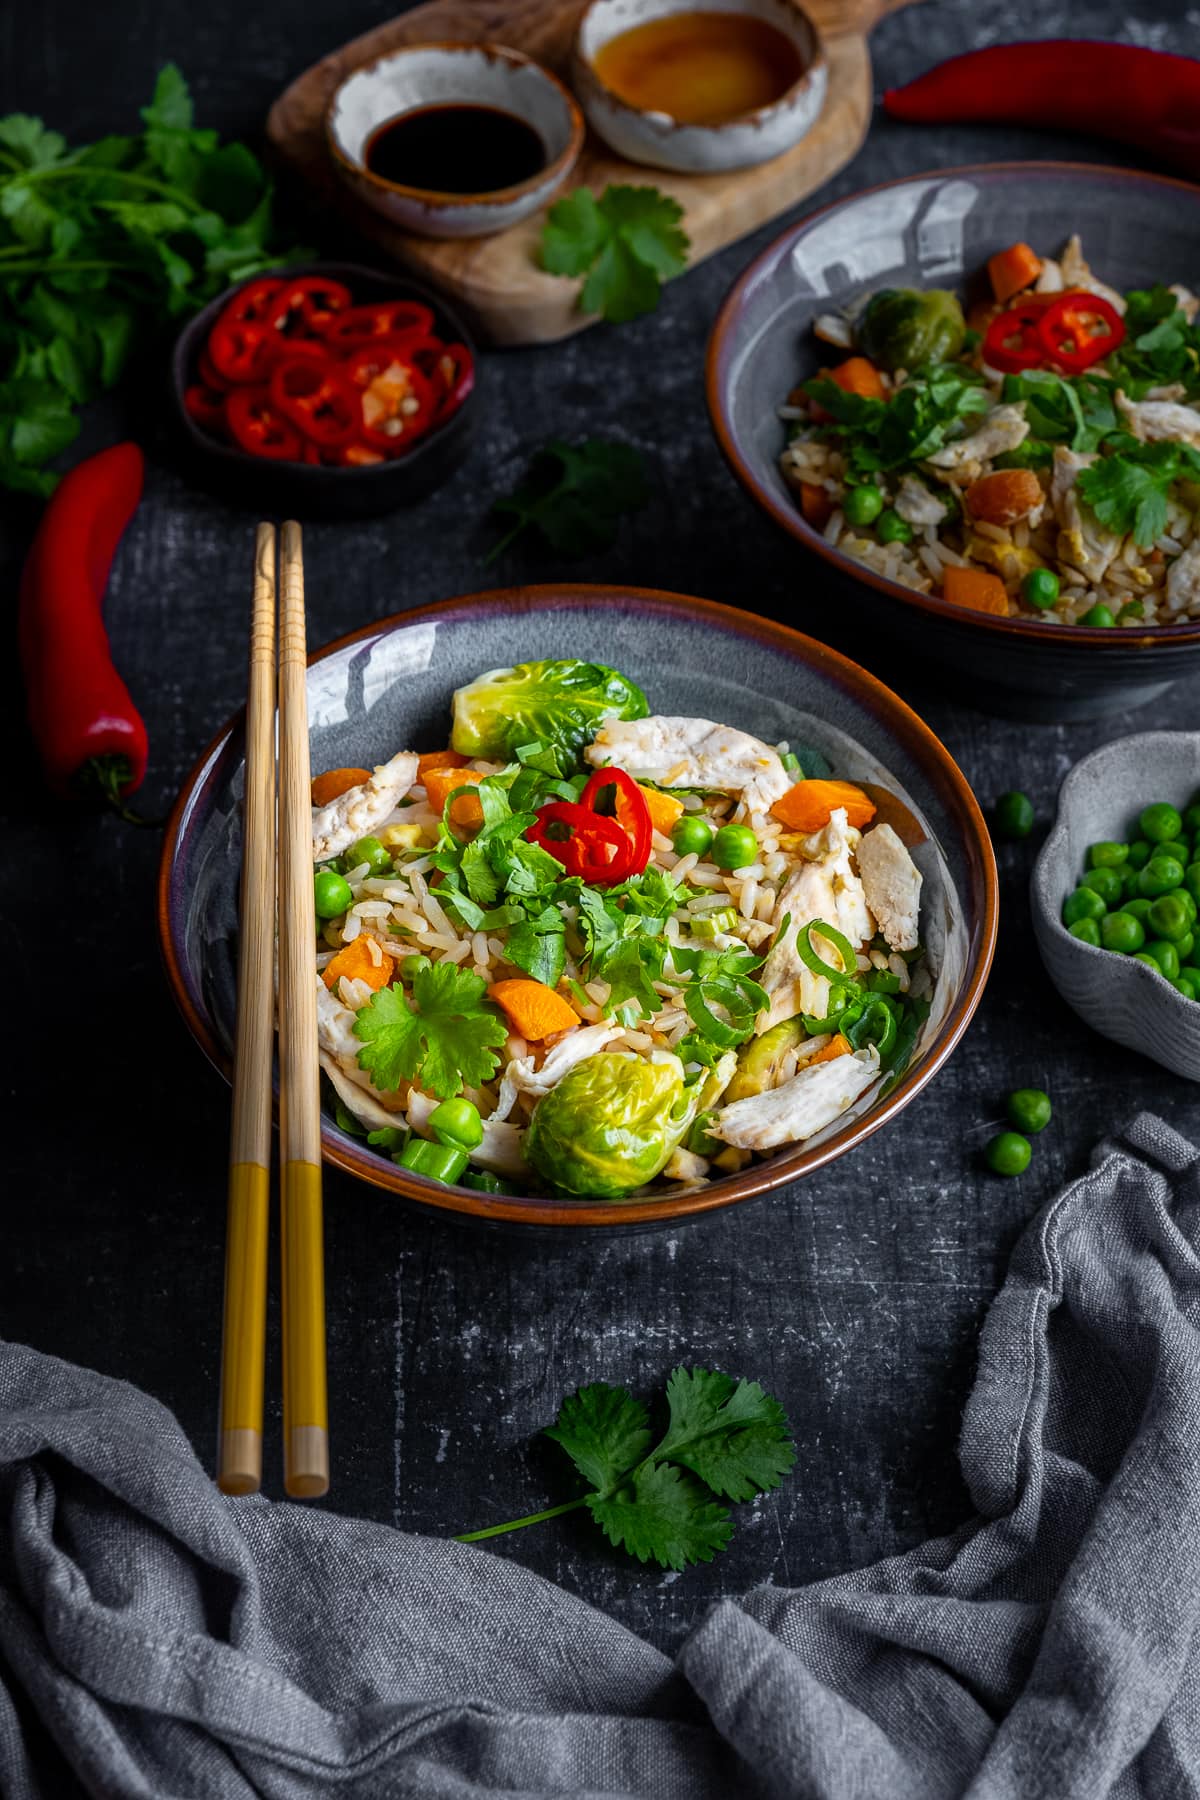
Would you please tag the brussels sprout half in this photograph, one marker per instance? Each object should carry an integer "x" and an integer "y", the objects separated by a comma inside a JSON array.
[
  {"x": 611, "y": 1125},
  {"x": 558, "y": 704}
]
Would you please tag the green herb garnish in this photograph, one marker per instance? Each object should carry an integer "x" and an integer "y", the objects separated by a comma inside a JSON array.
[
  {"x": 724, "y": 1440},
  {"x": 1128, "y": 489},
  {"x": 575, "y": 495},
  {"x": 448, "y": 1037},
  {"x": 627, "y": 243}
]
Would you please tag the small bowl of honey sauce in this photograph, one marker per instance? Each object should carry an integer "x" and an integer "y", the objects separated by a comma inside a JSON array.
[
  {"x": 454, "y": 140},
  {"x": 699, "y": 88}
]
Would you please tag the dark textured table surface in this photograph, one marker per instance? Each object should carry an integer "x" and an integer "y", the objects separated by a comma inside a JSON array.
[{"x": 855, "y": 1297}]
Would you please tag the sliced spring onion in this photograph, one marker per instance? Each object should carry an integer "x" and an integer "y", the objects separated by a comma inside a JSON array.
[
  {"x": 708, "y": 925},
  {"x": 742, "y": 1001},
  {"x": 877, "y": 1026},
  {"x": 808, "y": 956}
]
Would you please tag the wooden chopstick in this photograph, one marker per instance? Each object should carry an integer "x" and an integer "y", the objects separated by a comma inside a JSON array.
[
  {"x": 239, "y": 1444},
  {"x": 305, "y": 1417}
]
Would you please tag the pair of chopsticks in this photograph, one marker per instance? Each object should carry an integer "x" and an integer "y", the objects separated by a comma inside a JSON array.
[{"x": 276, "y": 873}]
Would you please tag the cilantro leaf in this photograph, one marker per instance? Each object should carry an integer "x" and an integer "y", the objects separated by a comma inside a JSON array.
[
  {"x": 922, "y": 416},
  {"x": 574, "y": 495},
  {"x": 626, "y": 243},
  {"x": 663, "y": 1517},
  {"x": 731, "y": 1434},
  {"x": 1128, "y": 489},
  {"x": 725, "y": 1440},
  {"x": 448, "y": 1042},
  {"x": 536, "y": 945},
  {"x": 604, "y": 1431}
]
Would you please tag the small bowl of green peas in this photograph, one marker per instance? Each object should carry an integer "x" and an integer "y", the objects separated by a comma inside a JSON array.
[{"x": 1116, "y": 895}]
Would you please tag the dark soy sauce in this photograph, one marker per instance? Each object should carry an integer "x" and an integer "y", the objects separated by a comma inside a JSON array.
[{"x": 456, "y": 150}]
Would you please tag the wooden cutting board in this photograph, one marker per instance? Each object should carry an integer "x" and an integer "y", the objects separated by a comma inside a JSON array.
[{"x": 496, "y": 280}]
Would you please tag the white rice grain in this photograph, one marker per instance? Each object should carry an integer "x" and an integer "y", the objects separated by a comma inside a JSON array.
[
  {"x": 351, "y": 928},
  {"x": 433, "y": 912}
]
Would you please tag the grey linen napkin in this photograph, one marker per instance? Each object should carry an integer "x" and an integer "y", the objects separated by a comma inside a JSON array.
[{"x": 157, "y": 1640}]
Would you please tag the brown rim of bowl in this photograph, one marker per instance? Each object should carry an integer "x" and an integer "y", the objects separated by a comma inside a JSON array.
[
  {"x": 1086, "y": 636},
  {"x": 817, "y": 61},
  {"x": 730, "y": 1190},
  {"x": 557, "y": 171}
]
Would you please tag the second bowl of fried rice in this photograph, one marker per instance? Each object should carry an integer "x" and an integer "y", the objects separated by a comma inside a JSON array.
[{"x": 976, "y": 395}]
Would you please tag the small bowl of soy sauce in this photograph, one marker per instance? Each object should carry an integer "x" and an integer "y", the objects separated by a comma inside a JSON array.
[{"x": 454, "y": 140}]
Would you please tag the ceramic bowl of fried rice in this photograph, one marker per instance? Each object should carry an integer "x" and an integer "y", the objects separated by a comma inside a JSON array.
[
  {"x": 528, "y": 883},
  {"x": 1001, "y": 500}
]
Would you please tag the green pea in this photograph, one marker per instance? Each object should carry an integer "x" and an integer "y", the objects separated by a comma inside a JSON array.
[
  {"x": 1191, "y": 880},
  {"x": 1191, "y": 817},
  {"x": 411, "y": 966},
  {"x": 368, "y": 850},
  {"x": 1139, "y": 853},
  {"x": 1143, "y": 956},
  {"x": 1084, "y": 903},
  {"x": 1189, "y": 903},
  {"x": 1014, "y": 815},
  {"x": 1086, "y": 930},
  {"x": 1028, "y": 1109},
  {"x": 1185, "y": 946},
  {"x": 1138, "y": 909},
  {"x": 332, "y": 893},
  {"x": 1183, "y": 986},
  {"x": 1165, "y": 955},
  {"x": 1008, "y": 1153},
  {"x": 1160, "y": 875},
  {"x": 692, "y": 835},
  {"x": 1107, "y": 855},
  {"x": 1122, "y": 932},
  {"x": 890, "y": 528},
  {"x": 1129, "y": 882},
  {"x": 862, "y": 505},
  {"x": 1040, "y": 589},
  {"x": 1097, "y": 615},
  {"x": 1105, "y": 882},
  {"x": 1179, "y": 848},
  {"x": 457, "y": 1123},
  {"x": 1159, "y": 822},
  {"x": 1131, "y": 612},
  {"x": 734, "y": 847},
  {"x": 1189, "y": 972},
  {"x": 1168, "y": 918}
]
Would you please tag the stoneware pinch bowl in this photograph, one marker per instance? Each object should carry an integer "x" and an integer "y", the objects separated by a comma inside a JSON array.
[
  {"x": 666, "y": 143},
  {"x": 390, "y": 685},
  {"x": 453, "y": 75},
  {"x": 1121, "y": 998}
]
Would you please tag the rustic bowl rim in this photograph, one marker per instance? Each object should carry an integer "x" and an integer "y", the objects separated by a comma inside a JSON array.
[
  {"x": 899, "y": 721},
  {"x": 755, "y": 116},
  {"x": 547, "y": 179},
  {"x": 724, "y": 328}
]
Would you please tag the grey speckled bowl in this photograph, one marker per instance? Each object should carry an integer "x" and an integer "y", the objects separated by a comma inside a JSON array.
[
  {"x": 389, "y": 686},
  {"x": 1101, "y": 798},
  {"x": 938, "y": 230}
]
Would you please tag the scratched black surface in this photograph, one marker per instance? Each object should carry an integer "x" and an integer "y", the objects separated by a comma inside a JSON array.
[{"x": 855, "y": 1297}]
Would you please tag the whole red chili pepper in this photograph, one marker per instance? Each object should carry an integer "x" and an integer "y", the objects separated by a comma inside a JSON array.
[
  {"x": 86, "y": 727},
  {"x": 1149, "y": 98}
]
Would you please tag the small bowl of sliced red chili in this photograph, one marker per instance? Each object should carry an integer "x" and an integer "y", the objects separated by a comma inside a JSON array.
[{"x": 326, "y": 389}]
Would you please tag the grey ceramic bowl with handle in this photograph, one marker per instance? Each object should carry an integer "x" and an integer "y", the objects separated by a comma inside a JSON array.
[{"x": 1117, "y": 996}]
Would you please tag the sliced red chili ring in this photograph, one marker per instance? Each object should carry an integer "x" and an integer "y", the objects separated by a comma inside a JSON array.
[
  {"x": 456, "y": 373},
  {"x": 307, "y": 303},
  {"x": 1011, "y": 342},
  {"x": 241, "y": 350},
  {"x": 1080, "y": 329},
  {"x": 356, "y": 456},
  {"x": 628, "y": 807},
  {"x": 317, "y": 399},
  {"x": 386, "y": 318},
  {"x": 584, "y": 842},
  {"x": 206, "y": 406},
  {"x": 257, "y": 426},
  {"x": 397, "y": 404},
  {"x": 209, "y": 374},
  {"x": 252, "y": 302}
]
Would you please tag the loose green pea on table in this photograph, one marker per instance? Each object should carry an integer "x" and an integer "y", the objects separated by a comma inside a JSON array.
[{"x": 1139, "y": 897}]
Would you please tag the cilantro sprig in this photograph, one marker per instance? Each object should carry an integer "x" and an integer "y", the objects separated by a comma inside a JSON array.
[
  {"x": 627, "y": 244},
  {"x": 662, "y": 1501},
  {"x": 574, "y": 495},
  {"x": 1128, "y": 489},
  {"x": 924, "y": 414},
  {"x": 100, "y": 242},
  {"x": 446, "y": 1037}
]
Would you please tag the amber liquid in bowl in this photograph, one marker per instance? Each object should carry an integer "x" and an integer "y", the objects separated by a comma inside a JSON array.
[{"x": 700, "y": 68}]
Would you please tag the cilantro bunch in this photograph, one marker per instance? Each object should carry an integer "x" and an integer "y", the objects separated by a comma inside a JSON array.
[
  {"x": 924, "y": 414},
  {"x": 574, "y": 495},
  {"x": 1160, "y": 347},
  {"x": 627, "y": 244},
  {"x": 99, "y": 242},
  {"x": 662, "y": 1501}
]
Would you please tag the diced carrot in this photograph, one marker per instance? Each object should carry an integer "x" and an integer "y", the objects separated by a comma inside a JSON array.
[
  {"x": 1013, "y": 269},
  {"x": 664, "y": 809},
  {"x": 466, "y": 814},
  {"x": 858, "y": 376},
  {"x": 815, "y": 504},
  {"x": 336, "y": 782},
  {"x": 534, "y": 1010},
  {"x": 1004, "y": 496},
  {"x": 439, "y": 759},
  {"x": 837, "y": 1046},
  {"x": 974, "y": 588},
  {"x": 356, "y": 961},
  {"x": 811, "y": 804}
]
